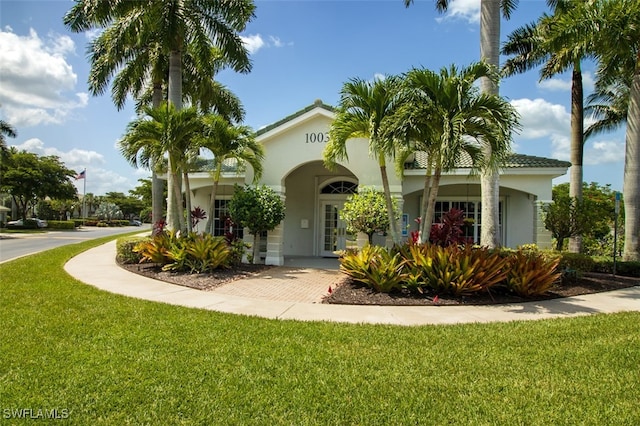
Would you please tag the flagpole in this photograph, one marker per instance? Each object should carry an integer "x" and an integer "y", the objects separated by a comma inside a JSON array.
[{"x": 84, "y": 197}]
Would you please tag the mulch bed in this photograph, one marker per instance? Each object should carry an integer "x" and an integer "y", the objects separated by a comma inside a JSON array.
[
  {"x": 349, "y": 292},
  {"x": 204, "y": 282},
  {"x": 345, "y": 291}
]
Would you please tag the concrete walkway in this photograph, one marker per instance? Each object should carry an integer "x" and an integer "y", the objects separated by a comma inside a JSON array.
[{"x": 295, "y": 293}]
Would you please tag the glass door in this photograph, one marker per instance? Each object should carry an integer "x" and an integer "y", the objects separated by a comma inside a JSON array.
[{"x": 333, "y": 229}]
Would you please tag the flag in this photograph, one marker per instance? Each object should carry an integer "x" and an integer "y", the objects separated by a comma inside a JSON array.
[{"x": 81, "y": 175}]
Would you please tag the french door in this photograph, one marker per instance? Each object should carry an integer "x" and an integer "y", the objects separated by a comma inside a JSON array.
[{"x": 333, "y": 230}]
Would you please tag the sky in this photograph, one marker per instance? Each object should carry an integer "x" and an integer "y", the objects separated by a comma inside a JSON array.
[{"x": 301, "y": 51}]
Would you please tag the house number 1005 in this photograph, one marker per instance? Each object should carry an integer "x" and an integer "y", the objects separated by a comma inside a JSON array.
[{"x": 318, "y": 137}]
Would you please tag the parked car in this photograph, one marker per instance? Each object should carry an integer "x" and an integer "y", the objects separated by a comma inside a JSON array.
[
  {"x": 135, "y": 222},
  {"x": 20, "y": 223}
]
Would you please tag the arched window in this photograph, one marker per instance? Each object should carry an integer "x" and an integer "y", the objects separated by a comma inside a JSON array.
[{"x": 340, "y": 187}]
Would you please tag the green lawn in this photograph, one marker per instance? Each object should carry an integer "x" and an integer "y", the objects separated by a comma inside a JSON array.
[{"x": 110, "y": 359}]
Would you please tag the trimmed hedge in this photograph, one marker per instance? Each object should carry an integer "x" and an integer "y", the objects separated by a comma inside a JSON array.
[
  {"x": 124, "y": 249},
  {"x": 61, "y": 224}
]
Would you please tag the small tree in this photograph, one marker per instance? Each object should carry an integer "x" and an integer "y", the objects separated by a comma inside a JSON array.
[
  {"x": 108, "y": 211},
  {"x": 366, "y": 212},
  {"x": 259, "y": 209},
  {"x": 592, "y": 217}
]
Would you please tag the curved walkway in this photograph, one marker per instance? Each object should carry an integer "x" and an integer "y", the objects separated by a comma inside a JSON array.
[{"x": 264, "y": 296}]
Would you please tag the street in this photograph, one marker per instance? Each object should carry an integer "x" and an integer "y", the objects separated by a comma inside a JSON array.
[{"x": 18, "y": 245}]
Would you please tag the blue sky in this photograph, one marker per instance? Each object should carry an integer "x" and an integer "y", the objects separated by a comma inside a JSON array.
[{"x": 301, "y": 51}]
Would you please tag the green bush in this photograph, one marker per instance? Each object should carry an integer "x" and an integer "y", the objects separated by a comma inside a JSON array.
[
  {"x": 531, "y": 273},
  {"x": 193, "y": 253},
  {"x": 454, "y": 270},
  {"x": 125, "y": 252},
  {"x": 61, "y": 224},
  {"x": 375, "y": 267},
  {"x": 605, "y": 266},
  {"x": 576, "y": 261}
]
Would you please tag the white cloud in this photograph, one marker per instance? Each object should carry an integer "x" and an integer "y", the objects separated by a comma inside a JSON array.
[
  {"x": 541, "y": 119},
  {"x": 73, "y": 159},
  {"x": 255, "y": 42},
  {"x": 604, "y": 152},
  {"x": 37, "y": 81},
  {"x": 99, "y": 180},
  {"x": 564, "y": 85},
  {"x": 468, "y": 10}
]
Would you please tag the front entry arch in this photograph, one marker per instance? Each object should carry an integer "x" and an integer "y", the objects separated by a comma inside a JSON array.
[{"x": 314, "y": 196}]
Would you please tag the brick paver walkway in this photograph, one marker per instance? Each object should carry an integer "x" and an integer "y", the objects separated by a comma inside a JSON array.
[{"x": 284, "y": 283}]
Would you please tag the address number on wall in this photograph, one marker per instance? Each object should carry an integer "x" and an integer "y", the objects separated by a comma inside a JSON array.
[{"x": 317, "y": 137}]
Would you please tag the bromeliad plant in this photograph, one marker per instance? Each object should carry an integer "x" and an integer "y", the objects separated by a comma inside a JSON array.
[
  {"x": 375, "y": 267},
  {"x": 193, "y": 253},
  {"x": 531, "y": 273},
  {"x": 455, "y": 270}
]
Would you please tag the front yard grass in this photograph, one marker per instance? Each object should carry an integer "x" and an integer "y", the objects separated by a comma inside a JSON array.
[{"x": 109, "y": 359}]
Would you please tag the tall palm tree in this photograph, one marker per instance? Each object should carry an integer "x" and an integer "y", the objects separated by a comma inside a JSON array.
[
  {"x": 557, "y": 48},
  {"x": 448, "y": 118},
  {"x": 171, "y": 27},
  {"x": 166, "y": 130},
  {"x": 228, "y": 142},
  {"x": 489, "y": 52},
  {"x": 617, "y": 49},
  {"x": 363, "y": 108}
]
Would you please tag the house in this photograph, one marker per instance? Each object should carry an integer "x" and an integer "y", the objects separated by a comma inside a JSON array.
[{"x": 314, "y": 195}]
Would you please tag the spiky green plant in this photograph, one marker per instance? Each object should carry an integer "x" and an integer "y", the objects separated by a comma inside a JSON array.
[
  {"x": 531, "y": 273},
  {"x": 375, "y": 267}
]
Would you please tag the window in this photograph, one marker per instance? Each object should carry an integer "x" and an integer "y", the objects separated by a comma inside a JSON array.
[
  {"x": 340, "y": 187},
  {"x": 221, "y": 220},
  {"x": 473, "y": 216}
]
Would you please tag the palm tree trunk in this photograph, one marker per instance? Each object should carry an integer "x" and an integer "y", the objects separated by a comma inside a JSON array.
[
  {"x": 395, "y": 235},
  {"x": 174, "y": 207},
  {"x": 431, "y": 209},
  {"x": 424, "y": 227},
  {"x": 157, "y": 186},
  {"x": 187, "y": 198},
  {"x": 632, "y": 173},
  {"x": 490, "y": 179},
  {"x": 577, "y": 141},
  {"x": 212, "y": 207}
]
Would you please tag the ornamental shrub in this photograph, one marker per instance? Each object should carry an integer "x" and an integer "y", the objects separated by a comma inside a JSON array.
[
  {"x": 260, "y": 209},
  {"x": 125, "y": 249},
  {"x": 374, "y": 267},
  {"x": 531, "y": 273}
]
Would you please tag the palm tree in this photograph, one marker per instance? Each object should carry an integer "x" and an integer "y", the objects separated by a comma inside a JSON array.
[
  {"x": 617, "y": 49},
  {"x": 608, "y": 105},
  {"x": 228, "y": 142},
  {"x": 7, "y": 130},
  {"x": 167, "y": 130},
  {"x": 489, "y": 52},
  {"x": 170, "y": 27},
  {"x": 363, "y": 108},
  {"x": 446, "y": 116},
  {"x": 558, "y": 48}
]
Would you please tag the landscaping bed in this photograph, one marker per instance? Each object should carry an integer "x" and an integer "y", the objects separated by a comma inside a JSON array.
[
  {"x": 346, "y": 291},
  {"x": 350, "y": 292}
]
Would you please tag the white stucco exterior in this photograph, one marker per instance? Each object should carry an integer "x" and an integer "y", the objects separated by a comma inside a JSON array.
[{"x": 293, "y": 167}]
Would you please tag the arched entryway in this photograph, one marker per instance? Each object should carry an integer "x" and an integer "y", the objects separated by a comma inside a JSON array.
[{"x": 314, "y": 197}]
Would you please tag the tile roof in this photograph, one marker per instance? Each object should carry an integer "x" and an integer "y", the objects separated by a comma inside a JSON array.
[{"x": 514, "y": 161}]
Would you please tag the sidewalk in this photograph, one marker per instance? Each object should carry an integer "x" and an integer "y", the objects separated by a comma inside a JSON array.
[{"x": 295, "y": 293}]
